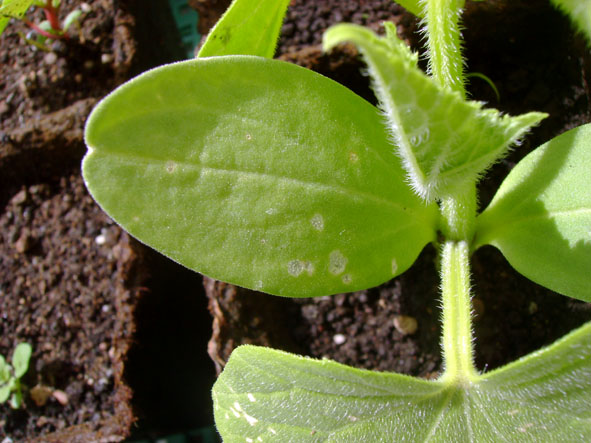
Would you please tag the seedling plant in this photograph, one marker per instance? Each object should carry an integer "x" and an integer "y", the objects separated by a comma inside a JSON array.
[
  {"x": 49, "y": 29},
  {"x": 272, "y": 177},
  {"x": 11, "y": 389}
]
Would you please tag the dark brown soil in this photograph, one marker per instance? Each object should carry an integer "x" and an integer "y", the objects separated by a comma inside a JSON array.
[
  {"x": 533, "y": 69},
  {"x": 63, "y": 263},
  {"x": 70, "y": 282}
]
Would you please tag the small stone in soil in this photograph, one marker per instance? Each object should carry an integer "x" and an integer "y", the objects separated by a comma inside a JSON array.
[
  {"x": 339, "y": 339},
  {"x": 405, "y": 324},
  {"x": 61, "y": 397},
  {"x": 39, "y": 394},
  {"x": 25, "y": 242}
]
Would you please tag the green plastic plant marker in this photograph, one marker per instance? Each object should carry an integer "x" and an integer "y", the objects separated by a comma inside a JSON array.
[
  {"x": 248, "y": 27},
  {"x": 12, "y": 8},
  {"x": 540, "y": 217},
  {"x": 259, "y": 173},
  {"x": 271, "y": 396},
  {"x": 444, "y": 141}
]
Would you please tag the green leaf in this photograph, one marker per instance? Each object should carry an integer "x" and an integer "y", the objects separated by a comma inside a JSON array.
[
  {"x": 413, "y": 6},
  {"x": 256, "y": 172},
  {"x": 12, "y": 9},
  {"x": 4, "y": 370},
  {"x": 71, "y": 18},
  {"x": 580, "y": 13},
  {"x": 6, "y": 389},
  {"x": 20, "y": 359},
  {"x": 445, "y": 142},
  {"x": 540, "y": 217},
  {"x": 16, "y": 400},
  {"x": 248, "y": 27},
  {"x": 267, "y": 395}
]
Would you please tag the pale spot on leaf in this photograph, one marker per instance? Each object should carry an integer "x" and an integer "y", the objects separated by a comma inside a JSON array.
[
  {"x": 337, "y": 262},
  {"x": 318, "y": 222},
  {"x": 296, "y": 267},
  {"x": 394, "y": 266},
  {"x": 171, "y": 167}
]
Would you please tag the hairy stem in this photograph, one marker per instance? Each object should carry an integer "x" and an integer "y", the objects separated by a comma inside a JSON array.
[
  {"x": 457, "y": 313},
  {"x": 444, "y": 43},
  {"x": 458, "y": 214}
]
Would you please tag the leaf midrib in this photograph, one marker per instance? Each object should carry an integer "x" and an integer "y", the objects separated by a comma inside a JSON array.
[{"x": 310, "y": 184}]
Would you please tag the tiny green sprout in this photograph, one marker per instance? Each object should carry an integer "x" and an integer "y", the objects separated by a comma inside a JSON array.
[
  {"x": 270, "y": 176},
  {"x": 10, "y": 375},
  {"x": 49, "y": 29}
]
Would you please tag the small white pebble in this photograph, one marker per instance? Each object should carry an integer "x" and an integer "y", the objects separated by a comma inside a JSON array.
[
  {"x": 106, "y": 58},
  {"x": 85, "y": 7},
  {"x": 100, "y": 239},
  {"x": 339, "y": 339},
  {"x": 50, "y": 58}
]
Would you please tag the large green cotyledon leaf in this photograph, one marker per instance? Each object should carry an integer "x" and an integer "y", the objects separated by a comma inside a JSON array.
[
  {"x": 265, "y": 395},
  {"x": 256, "y": 172},
  {"x": 540, "y": 217}
]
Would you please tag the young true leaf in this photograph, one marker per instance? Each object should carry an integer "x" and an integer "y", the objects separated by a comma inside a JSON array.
[
  {"x": 580, "y": 13},
  {"x": 12, "y": 8},
  {"x": 259, "y": 173},
  {"x": 445, "y": 142},
  {"x": 267, "y": 395},
  {"x": 540, "y": 217},
  {"x": 20, "y": 359},
  {"x": 248, "y": 27}
]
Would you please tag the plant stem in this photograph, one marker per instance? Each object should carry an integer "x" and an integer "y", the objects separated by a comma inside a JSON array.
[
  {"x": 51, "y": 14},
  {"x": 458, "y": 210},
  {"x": 443, "y": 42},
  {"x": 457, "y": 314},
  {"x": 458, "y": 214}
]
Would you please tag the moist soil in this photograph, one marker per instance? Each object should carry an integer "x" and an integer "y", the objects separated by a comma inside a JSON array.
[
  {"x": 72, "y": 283},
  {"x": 396, "y": 326}
]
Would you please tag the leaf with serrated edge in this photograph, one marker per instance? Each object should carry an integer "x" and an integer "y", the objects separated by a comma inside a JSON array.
[
  {"x": 445, "y": 142},
  {"x": 540, "y": 217},
  {"x": 259, "y": 173},
  {"x": 248, "y": 27},
  {"x": 267, "y": 395}
]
